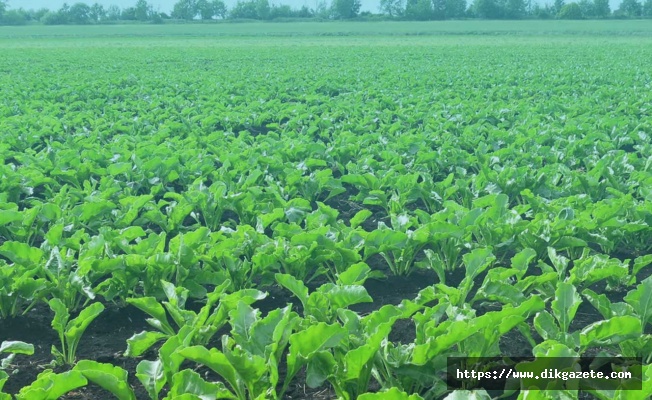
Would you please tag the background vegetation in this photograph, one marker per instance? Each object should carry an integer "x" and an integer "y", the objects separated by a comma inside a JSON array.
[{"x": 414, "y": 10}]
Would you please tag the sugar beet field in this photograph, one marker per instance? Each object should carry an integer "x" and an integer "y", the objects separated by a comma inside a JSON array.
[{"x": 325, "y": 210}]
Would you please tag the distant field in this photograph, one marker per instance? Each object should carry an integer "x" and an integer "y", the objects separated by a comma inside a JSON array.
[{"x": 610, "y": 28}]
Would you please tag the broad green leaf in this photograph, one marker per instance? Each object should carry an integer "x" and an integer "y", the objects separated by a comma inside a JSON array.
[
  {"x": 360, "y": 217},
  {"x": 16, "y": 347},
  {"x": 54, "y": 234},
  {"x": 500, "y": 291},
  {"x": 251, "y": 369},
  {"x": 600, "y": 302},
  {"x": 21, "y": 253},
  {"x": 641, "y": 300},
  {"x": 169, "y": 351},
  {"x": 565, "y": 304},
  {"x": 545, "y": 325},
  {"x": 296, "y": 214},
  {"x": 61, "y": 316},
  {"x": 188, "y": 382},
  {"x": 9, "y": 216},
  {"x": 242, "y": 319},
  {"x": 50, "y": 386},
  {"x": 559, "y": 262},
  {"x": 477, "y": 261},
  {"x": 266, "y": 220},
  {"x": 347, "y": 295},
  {"x": 382, "y": 240},
  {"x": 320, "y": 367},
  {"x": 293, "y": 285},
  {"x": 591, "y": 269},
  {"x": 357, "y": 359},
  {"x": 391, "y": 394},
  {"x": 552, "y": 349},
  {"x": 109, "y": 377},
  {"x": 139, "y": 343},
  {"x": 76, "y": 327},
  {"x": 304, "y": 344},
  {"x": 522, "y": 260},
  {"x": 3, "y": 379},
  {"x": 150, "y": 306},
  {"x": 215, "y": 360},
  {"x": 152, "y": 376},
  {"x": 611, "y": 331},
  {"x": 641, "y": 262},
  {"x": 356, "y": 274},
  {"x": 315, "y": 338}
]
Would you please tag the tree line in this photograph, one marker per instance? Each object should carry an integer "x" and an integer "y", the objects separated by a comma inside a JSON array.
[{"x": 192, "y": 10}]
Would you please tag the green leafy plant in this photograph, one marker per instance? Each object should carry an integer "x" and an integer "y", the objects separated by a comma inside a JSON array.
[
  {"x": 205, "y": 323},
  {"x": 110, "y": 377},
  {"x": 250, "y": 358},
  {"x": 351, "y": 365},
  {"x": 613, "y": 330},
  {"x": 71, "y": 331},
  {"x": 51, "y": 385},
  {"x": 322, "y": 305}
]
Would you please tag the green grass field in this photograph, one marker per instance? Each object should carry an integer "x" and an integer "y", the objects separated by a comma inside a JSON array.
[
  {"x": 641, "y": 28},
  {"x": 348, "y": 204}
]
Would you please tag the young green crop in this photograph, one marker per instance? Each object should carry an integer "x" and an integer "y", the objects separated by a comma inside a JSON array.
[{"x": 499, "y": 183}]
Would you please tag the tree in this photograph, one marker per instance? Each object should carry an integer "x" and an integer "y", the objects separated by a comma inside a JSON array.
[
  {"x": 128, "y": 14},
  {"x": 601, "y": 8},
  {"x": 14, "y": 17},
  {"x": 322, "y": 9},
  {"x": 205, "y": 9},
  {"x": 113, "y": 13},
  {"x": 570, "y": 11},
  {"x": 345, "y": 9},
  {"x": 305, "y": 12},
  {"x": 515, "y": 9},
  {"x": 79, "y": 13},
  {"x": 52, "y": 18},
  {"x": 219, "y": 9},
  {"x": 556, "y": 8},
  {"x": 420, "y": 10},
  {"x": 587, "y": 7},
  {"x": 97, "y": 13},
  {"x": 262, "y": 9},
  {"x": 185, "y": 9},
  {"x": 631, "y": 8},
  {"x": 282, "y": 11},
  {"x": 487, "y": 9},
  {"x": 439, "y": 9},
  {"x": 542, "y": 12},
  {"x": 455, "y": 8},
  {"x": 3, "y": 8},
  {"x": 393, "y": 8},
  {"x": 143, "y": 10},
  {"x": 36, "y": 15},
  {"x": 647, "y": 9},
  {"x": 244, "y": 10}
]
